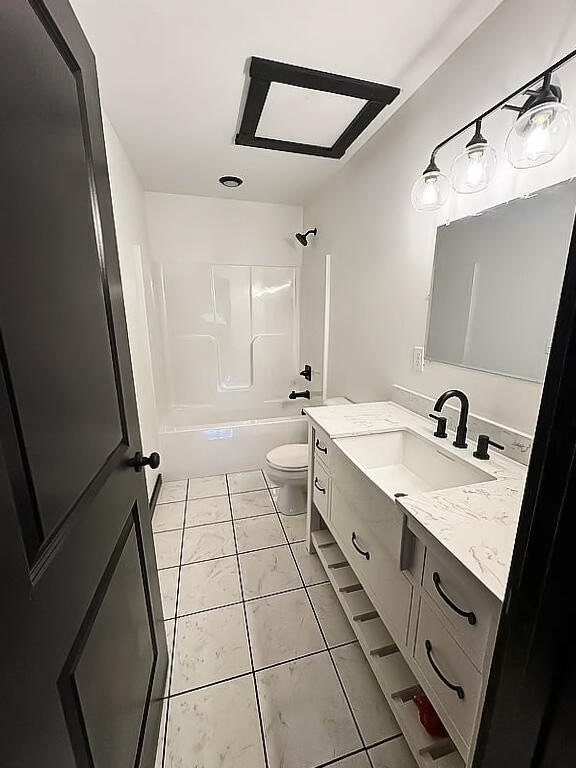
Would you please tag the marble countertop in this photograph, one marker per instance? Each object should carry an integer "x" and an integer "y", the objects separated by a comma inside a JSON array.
[{"x": 476, "y": 523}]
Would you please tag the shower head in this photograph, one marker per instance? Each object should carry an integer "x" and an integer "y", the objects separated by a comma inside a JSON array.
[{"x": 302, "y": 238}]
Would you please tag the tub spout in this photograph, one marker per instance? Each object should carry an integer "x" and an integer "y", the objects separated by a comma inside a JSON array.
[{"x": 293, "y": 395}]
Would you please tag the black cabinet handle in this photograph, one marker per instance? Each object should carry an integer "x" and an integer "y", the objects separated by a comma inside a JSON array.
[
  {"x": 321, "y": 447},
  {"x": 365, "y": 554},
  {"x": 139, "y": 461},
  {"x": 458, "y": 690},
  {"x": 470, "y": 615},
  {"x": 318, "y": 487}
]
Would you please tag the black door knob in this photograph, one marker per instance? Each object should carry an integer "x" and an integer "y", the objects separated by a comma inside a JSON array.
[{"x": 139, "y": 461}]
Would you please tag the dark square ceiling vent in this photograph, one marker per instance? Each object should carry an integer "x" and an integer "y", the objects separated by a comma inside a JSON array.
[{"x": 264, "y": 72}]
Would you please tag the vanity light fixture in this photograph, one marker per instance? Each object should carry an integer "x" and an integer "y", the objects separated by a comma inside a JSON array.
[
  {"x": 542, "y": 129},
  {"x": 540, "y": 133},
  {"x": 474, "y": 169},
  {"x": 430, "y": 191}
]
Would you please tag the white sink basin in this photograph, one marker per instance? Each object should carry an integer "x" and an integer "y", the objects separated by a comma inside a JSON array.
[{"x": 402, "y": 462}]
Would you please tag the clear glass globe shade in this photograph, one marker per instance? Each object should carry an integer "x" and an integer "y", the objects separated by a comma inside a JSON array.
[
  {"x": 474, "y": 169},
  {"x": 430, "y": 191},
  {"x": 539, "y": 135}
]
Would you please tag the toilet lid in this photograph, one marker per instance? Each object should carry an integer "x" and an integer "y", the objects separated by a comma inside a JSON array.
[{"x": 291, "y": 456}]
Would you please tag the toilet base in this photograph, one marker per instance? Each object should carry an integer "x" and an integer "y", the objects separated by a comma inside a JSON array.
[{"x": 291, "y": 498}]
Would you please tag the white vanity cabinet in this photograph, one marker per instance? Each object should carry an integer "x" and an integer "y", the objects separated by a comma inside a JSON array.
[
  {"x": 368, "y": 528},
  {"x": 456, "y": 620},
  {"x": 440, "y": 618}
]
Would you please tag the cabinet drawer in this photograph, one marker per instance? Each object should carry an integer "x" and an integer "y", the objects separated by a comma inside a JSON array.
[
  {"x": 451, "y": 676},
  {"x": 467, "y": 606},
  {"x": 377, "y": 569},
  {"x": 321, "y": 488},
  {"x": 322, "y": 446}
]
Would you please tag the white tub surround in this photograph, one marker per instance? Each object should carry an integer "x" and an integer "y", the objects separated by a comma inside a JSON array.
[
  {"x": 475, "y": 523},
  {"x": 416, "y": 537},
  {"x": 211, "y": 449}
]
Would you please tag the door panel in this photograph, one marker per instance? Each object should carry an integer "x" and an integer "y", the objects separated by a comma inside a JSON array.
[
  {"x": 83, "y": 661},
  {"x": 116, "y": 644},
  {"x": 58, "y": 354}
]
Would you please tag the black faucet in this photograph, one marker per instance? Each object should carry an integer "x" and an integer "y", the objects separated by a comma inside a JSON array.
[
  {"x": 293, "y": 395},
  {"x": 462, "y": 428}
]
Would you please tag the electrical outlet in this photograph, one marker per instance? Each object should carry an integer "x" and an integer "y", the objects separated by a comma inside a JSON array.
[{"x": 418, "y": 359}]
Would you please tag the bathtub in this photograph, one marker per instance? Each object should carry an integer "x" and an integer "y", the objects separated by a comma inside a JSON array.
[{"x": 230, "y": 444}]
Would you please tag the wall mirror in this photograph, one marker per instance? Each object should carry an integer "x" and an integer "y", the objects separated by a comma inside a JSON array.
[{"x": 496, "y": 284}]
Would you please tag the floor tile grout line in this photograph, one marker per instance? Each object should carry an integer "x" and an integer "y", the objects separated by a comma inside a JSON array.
[
  {"x": 231, "y": 519},
  {"x": 204, "y": 686},
  {"x": 266, "y": 481},
  {"x": 172, "y": 501},
  {"x": 207, "y": 610},
  {"x": 220, "y": 557},
  {"x": 326, "y": 643},
  {"x": 172, "y": 655},
  {"x": 344, "y": 692},
  {"x": 251, "y": 490},
  {"x": 254, "y": 517},
  {"x": 379, "y": 743},
  {"x": 370, "y": 761},
  {"x": 245, "y": 600},
  {"x": 359, "y": 751},
  {"x": 198, "y": 525},
  {"x": 253, "y": 600},
  {"x": 246, "y": 552},
  {"x": 196, "y": 562},
  {"x": 290, "y": 541},
  {"x": 278, "y": 593},
  {"x": 247, "y": 630},
  {"x": 339, "y": 676},
  {"x": 336, "y": 760},
  {"x": 258, "y": 669}
]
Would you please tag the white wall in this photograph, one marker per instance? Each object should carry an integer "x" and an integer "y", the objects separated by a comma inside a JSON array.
[
  {"x": 129, "y": 217},
  {"x": 188, "y": 228},
  {"x": 226, "y": 276},
  {"x": 382, "y": 250}
]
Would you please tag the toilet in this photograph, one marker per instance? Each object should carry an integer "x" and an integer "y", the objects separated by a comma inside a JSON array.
[{"x": 287, "y": 467}]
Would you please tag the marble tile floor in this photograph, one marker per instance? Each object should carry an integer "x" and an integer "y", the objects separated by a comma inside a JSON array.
[{"x": 264, "y": 671}]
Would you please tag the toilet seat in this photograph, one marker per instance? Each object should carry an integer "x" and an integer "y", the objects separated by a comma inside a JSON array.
[{"x": 292, "y": 456}]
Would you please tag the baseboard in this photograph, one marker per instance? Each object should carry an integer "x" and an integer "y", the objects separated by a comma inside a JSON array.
[{"x": 155, "y": 494}]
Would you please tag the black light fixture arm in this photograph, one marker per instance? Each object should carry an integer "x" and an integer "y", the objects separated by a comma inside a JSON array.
[{"x": 543, "y": 76}]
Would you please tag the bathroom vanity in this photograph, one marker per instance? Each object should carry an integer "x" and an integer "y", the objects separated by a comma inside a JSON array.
[{"x": 416, "y": 537}]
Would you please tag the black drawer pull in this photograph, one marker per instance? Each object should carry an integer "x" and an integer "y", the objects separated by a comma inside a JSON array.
[
  {"x": 321, "y": 447},
  {"x": 470, "y": 615},
  {"x": 365, "y": 554},
  {"x": 458, "y": 690},
  {"x": 318, "y": 487}
]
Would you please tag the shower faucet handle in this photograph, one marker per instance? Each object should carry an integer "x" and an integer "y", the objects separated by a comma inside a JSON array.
[{"x": 307, "y": 372}]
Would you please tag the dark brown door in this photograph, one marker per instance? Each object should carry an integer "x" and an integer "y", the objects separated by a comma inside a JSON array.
[{"x": 82, "y": 647}]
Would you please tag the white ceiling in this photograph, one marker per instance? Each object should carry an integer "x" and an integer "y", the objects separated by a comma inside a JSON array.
[{"x": 172, "y": 78}]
